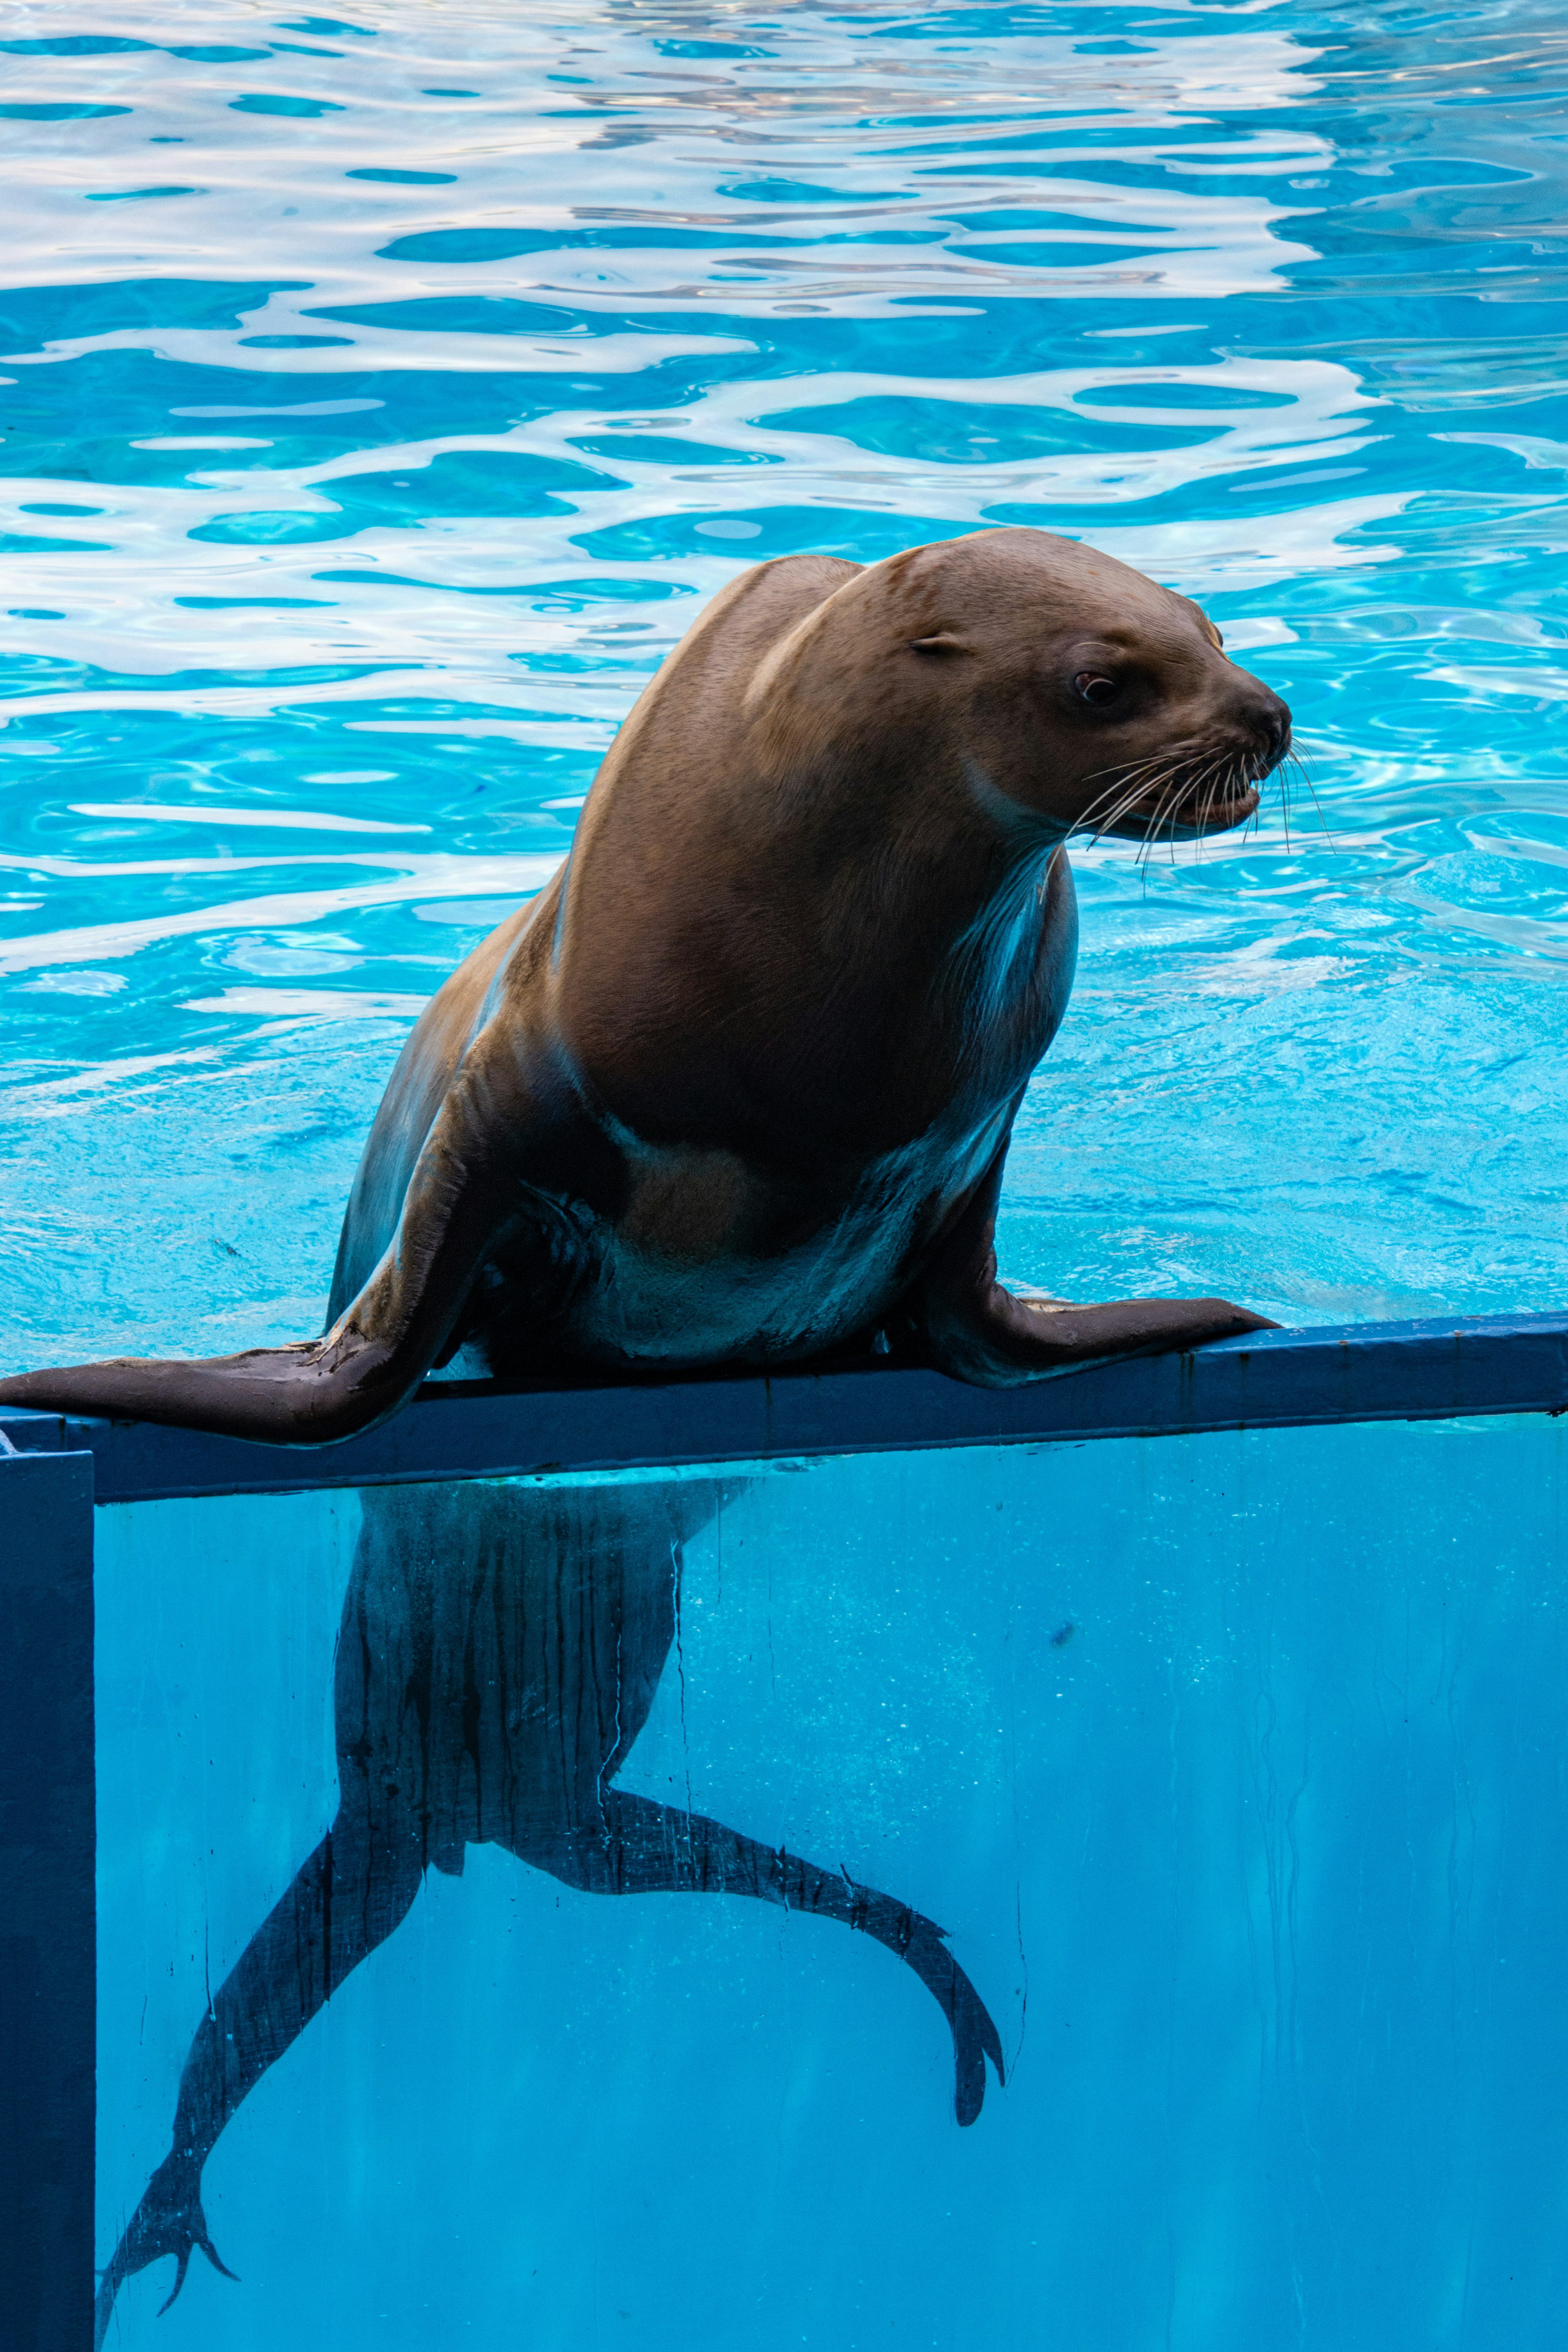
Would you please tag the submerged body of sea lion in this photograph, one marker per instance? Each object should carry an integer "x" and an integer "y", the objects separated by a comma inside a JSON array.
[
  {"x": 737, "y": 1087},
  {"x": 500, "y": 1650}
]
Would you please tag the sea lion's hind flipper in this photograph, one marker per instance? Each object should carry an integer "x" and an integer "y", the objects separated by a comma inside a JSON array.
[
  {"x": 643, "y": 1848},
  {"x": 974, "y": 2035},
  {"x": 169, "y": 2221},
  {"x": 348, "y": 1897},
  {"x": 923, "y": 1946}
]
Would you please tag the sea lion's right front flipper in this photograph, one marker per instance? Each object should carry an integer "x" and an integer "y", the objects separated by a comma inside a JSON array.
[
  {"x": 467, "y": 1193},
  {"x": 979, "y": 1331}
]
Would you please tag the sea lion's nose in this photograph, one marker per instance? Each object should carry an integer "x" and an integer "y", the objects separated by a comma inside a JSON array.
[{"x": 1269, "y": 718}]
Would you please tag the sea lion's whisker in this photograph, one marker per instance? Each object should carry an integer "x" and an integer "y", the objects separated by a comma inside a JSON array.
[
  {"x": 1112, "y": 798},
  {"x": 1201, "y": 793},
  {"x": 1296, "y": 761},
  {"x": 1122, "y": 798},
  {"x": 1165, "y": 783},
  {"x": 1134, "y": 777},
  {"x": 1151, "y": 827},
  {"x": 1172, "y": 793},
  {"x": 1124, "y": 768},
  {"x": 1129, "y": 801},
  {"x": 1164, "y": 789},
  {"x": 1285, "y": 812},
  {"x": 1219, "y": 779},
  {"x": 1191, "y": 784},
  {"x": 1130, "y": 781}
]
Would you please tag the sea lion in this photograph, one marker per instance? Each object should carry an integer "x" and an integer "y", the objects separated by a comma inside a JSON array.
[
  {"x": 500, "y": 1650},
  {"x": 737, "y": 1087}
]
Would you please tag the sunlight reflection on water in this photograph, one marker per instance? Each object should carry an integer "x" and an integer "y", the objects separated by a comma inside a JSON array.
[{"x": 367, "y": 452}]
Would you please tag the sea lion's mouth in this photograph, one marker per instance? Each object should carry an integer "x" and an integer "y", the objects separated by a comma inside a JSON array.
[
  {"x": 1181, "y": 797},
  {"x": 1209, "y": 804}
]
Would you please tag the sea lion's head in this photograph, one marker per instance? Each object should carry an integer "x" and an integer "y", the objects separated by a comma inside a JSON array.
[{"x": 1053, "y": 682}]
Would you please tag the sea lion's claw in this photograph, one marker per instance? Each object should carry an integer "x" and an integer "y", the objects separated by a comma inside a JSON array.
[
  {"x": 174, "y": 2296},
  {"x": 217, "y": 2259},
  {"x": 211, "y": 2251}
]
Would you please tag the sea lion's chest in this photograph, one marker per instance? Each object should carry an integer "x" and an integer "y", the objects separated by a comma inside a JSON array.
[
  {"x": 713, "y": 1259},
  {"x": 666, "y": 1254}
]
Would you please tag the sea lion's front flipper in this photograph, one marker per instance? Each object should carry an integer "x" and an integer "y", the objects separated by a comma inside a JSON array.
[
  {"x": 465, "y": 1197},
  {"x": 981, "y": 1332},
  {"x": 640, "y": 1847}
]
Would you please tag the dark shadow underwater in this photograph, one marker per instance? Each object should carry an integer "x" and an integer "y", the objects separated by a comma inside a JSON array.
[{"x": 497, "y": 1656}]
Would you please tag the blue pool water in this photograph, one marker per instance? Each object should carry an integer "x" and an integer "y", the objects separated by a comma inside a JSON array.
[{"x": 383, "y": 394}]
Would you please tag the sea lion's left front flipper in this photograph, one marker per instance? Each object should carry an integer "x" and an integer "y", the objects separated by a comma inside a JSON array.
[
  {"x": 981, "y": 1332},
  {"x": 467, "y": 1194}
]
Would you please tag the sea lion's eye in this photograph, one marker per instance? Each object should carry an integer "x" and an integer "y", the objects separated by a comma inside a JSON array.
[{"x": 1090, "y": 687}]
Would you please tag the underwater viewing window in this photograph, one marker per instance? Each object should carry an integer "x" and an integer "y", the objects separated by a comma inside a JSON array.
[{"x": 1128, "y": 1829}]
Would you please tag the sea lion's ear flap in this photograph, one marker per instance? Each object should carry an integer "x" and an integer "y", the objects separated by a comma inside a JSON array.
[
  {"x": 1208, "y": 627},
  {"x": 944, "y": 642}
]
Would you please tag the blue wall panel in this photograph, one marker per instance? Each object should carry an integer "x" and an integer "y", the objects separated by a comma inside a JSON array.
[{"x": 47, "y": 1936}]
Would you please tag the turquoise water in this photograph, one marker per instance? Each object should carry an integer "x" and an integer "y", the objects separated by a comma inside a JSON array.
[{"x": 382, "y": 397}]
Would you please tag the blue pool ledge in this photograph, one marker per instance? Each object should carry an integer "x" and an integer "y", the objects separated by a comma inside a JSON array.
[{"x": 1430, "y": 1370}]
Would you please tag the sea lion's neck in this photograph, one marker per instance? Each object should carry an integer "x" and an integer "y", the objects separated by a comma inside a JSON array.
[
  {"x": 942, "y": 938},
  {"x": 952, "y": 863}
]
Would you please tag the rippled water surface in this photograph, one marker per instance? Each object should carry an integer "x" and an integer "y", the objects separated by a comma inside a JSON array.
[{"x": 382, "y": 395}]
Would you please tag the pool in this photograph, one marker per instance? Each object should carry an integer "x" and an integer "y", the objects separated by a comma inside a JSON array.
[
  {"x": 368, "y": 445},
  {"x": 382, "y": 398}
]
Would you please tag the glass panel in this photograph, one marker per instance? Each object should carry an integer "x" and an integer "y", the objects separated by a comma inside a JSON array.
[{"x": 1233, "y": 1767}]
